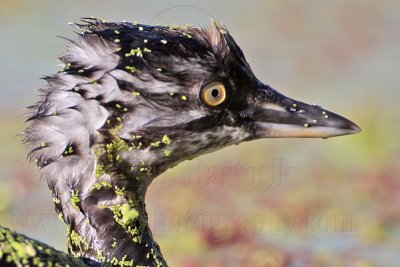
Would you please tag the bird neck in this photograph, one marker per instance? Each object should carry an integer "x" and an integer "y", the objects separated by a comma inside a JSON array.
[{"x": 104, "y": 207}]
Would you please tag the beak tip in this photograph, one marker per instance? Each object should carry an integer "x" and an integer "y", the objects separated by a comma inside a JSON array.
[{"x": 354, "y": 129}]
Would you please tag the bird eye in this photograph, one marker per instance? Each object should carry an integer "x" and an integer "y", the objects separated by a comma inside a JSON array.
[{"x": 213, "y": 94}]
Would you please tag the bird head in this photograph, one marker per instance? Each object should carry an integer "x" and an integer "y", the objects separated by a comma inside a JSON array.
[
  {"x": 188, "y": 91},
  {"x": 160, "y": 94}
]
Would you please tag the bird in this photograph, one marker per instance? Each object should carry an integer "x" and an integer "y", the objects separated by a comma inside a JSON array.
[{"x": 131, "y": 101}]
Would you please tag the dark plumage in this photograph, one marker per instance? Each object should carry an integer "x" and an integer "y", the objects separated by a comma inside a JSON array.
[{"x": 134, "y": 100}]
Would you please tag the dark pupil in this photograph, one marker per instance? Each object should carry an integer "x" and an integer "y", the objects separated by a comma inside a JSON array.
[{"x": 215, "y": 92}]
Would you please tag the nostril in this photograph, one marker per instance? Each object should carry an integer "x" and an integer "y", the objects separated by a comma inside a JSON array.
[{"x": 295, "y": 109}]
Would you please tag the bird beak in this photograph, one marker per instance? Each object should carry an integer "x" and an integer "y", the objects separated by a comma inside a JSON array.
[{"x": 281, "y": 116}]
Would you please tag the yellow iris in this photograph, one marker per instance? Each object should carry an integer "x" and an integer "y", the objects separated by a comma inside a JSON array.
[{"x": 213, "y": 94}]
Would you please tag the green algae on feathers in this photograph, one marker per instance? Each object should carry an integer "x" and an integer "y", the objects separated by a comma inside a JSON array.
[
  {"x": 77, "y": 241},
  {"x": 75, "y": 199},
  {"x": 20, "y": 251}
]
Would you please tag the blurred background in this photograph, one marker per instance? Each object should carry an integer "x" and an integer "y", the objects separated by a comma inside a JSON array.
[{"x": 273, "y": 202}]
